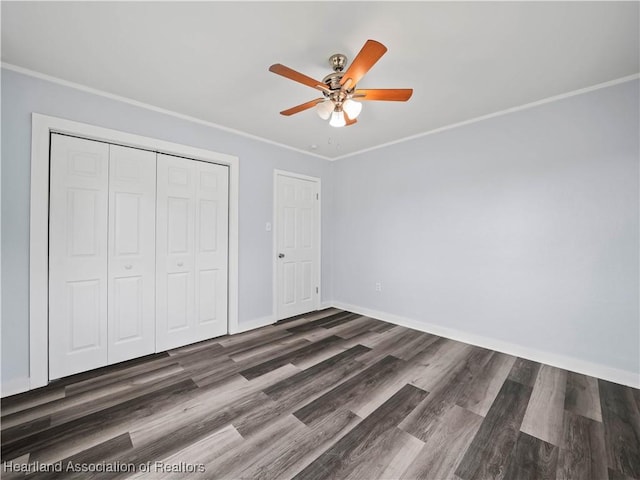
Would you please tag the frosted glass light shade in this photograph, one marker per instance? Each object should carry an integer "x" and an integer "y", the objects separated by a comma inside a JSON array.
[
  {"x": 352, "y": 108},
  {"x": 337, "y": 119},
  {"x": 324, "y": 109}
]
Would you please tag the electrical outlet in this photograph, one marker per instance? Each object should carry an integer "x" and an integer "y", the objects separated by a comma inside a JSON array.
[{"x": 378, "y": 286}]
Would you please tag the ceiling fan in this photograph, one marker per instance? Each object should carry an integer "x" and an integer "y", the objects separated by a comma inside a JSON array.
[{"x": 339, "y": 90}]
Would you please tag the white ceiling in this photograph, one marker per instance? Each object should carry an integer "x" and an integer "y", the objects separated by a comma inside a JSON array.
[{"x": 209, "y": 60}]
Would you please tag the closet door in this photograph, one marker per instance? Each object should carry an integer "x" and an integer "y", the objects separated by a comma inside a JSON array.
[
  {"x": 77, "y": 255},
  {"x": 211, "y": 249},
  {"x": 192, "y": 226},
  {"x": 131, "y": 272}
]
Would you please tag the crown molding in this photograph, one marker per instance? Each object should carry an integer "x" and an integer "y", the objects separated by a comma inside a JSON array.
[
  {"x": 130, "y": 101},
  {"x": 147, "y": 106},
  {"x": 499, "y": 113}
]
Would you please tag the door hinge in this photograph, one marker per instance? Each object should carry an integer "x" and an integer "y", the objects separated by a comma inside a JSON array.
[
  {"x": 317, "y": 196},
  {"x": 316, "y": 289}
]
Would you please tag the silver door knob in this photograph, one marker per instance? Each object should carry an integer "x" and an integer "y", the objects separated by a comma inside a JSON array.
[
  {"x": 128, "y": 267},
  {"x": 281, "y": 255},
  {"x": 180, "y": 264}
]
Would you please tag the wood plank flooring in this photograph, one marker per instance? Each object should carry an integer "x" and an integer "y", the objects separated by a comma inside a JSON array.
[{"x": 328, "y": 395}]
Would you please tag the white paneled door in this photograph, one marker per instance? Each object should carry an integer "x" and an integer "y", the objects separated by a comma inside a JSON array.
[
  {"x": 138, "y": 251},
  {"x": 192, "y": 245},
  {"x": 297, "y": 232},
  {"x": 132, "y": 253},
  {"x": 78, "y": 221}
]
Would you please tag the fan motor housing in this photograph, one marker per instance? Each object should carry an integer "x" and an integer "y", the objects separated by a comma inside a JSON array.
[
  {"x": 338, "y": 62},
  {"x": 333, "y": 80}
]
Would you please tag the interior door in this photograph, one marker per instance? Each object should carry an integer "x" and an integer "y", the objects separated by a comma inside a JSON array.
[
  {"x": 192, "y": 244},
  {"x": 297, "y": 232},
  {"x": 132, "y": 253},
  {"x": 79, "y": 176}
]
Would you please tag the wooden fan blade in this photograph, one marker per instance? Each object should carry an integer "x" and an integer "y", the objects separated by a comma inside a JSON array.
[
  {"x": 386, "y": 94},
  {"x": 302, "y": 107},
  {"x": 366, "y": 58},
  {"x": 297, "y": 76},
  {"x": 348, "y": 120}
]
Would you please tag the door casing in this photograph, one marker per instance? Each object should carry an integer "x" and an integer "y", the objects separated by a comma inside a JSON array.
[{"x": 42, "y": 127}]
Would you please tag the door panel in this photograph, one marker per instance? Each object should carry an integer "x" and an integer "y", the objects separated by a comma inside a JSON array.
[
  {"x": 289, "y": 227},
  {"x": 175, "y": 246},
  {"x": 128, "y": 315},
  {"x": 83, "y": 207},
  {"x": 178, "y": 228},
  {"x": 307, "y": 232},
  {"x": 84, "y": 311},
  {"x": 126, "y": 210},
  {"x": 307, "y": 281},
  {"x": 207, "y": 295},
  {"x": 132, "y": 192},
  {"x": 289, "y": 283},
  {"x": 212, "y": 243},
  {"x": 77, "y": 255},
  {"x": 297, "y": 230},
  {"x": 208, "y": 225},
  {"x": 192, "y": 226},
  {"x": 178, "y": 301}
]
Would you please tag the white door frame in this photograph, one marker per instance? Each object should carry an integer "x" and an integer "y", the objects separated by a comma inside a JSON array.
[
  {"x": 317, "y": 180},
  {"x": 41, "y": 128}
]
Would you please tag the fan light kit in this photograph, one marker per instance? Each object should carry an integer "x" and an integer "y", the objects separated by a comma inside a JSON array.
[{"x": 340, "y": 103}]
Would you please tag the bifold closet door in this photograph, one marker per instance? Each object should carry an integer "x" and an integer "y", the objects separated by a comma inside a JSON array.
[
  {"x": 192, "y": 245},
  {"x": 78, "y": 220},
  {"x": 132, "y": 253},
  {"x": 101, "y": 254}
]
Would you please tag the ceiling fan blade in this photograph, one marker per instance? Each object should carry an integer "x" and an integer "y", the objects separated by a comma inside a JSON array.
[
  {"x": 366, "y": 58},
  {"x": 297, "y": 76},
  {"x": 302, "y": 107},
  {"x": 387, "y": 94},
  {"x": 348, "y": 120}
]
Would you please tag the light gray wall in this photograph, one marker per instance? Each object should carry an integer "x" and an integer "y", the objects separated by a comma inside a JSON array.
[
  {"x": 22, "y": 95},
  {"x": 522, "y": 228}
]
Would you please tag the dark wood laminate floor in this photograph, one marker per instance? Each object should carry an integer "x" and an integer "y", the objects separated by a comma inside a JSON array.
[{"x": 326, "y": 395}]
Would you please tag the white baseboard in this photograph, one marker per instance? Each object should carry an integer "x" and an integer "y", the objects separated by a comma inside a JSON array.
[
  {"x": 624, "y": 377},
  {"x": 268, "y": 320},
  {"x": 15, "y": 386},
  {"x": 255, "y": 323}
]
